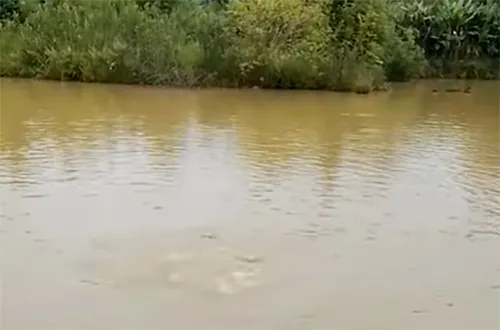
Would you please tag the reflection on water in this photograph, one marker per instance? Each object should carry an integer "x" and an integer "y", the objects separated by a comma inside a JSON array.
[{"x": 302, "y": 209}]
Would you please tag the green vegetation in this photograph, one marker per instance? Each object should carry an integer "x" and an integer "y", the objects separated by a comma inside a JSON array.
[
  {"x": 461, "y": 38},
  {"x": 352, "y": 45}
]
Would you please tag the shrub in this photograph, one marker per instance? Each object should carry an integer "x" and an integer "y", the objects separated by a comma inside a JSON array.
[
  {"x": 370, "y": 37},
  {"x": 281, "y": 43},
  {"x": 8, "y": 9},
  {"x": 100, "y": 41},
  {"x": 162, "y": 5}
]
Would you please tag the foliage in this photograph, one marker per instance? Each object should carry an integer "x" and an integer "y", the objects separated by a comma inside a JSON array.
[
  {"x": 367, "y": 29},
  {"x": 99, "y": 41},
  {"x": 8, "y": 9},
  {"x": 458, "y": 32},
  {"x": 279, "y": 43},
  {"x": 353, "y": 45},
  {"x": 163, "y": 5}
]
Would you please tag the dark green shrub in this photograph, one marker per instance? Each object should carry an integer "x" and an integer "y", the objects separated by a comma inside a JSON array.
[
  {"x": 368, "y": 31},
  {"x": 9, "y": 9},
  {"x": 163, "y": 5}
]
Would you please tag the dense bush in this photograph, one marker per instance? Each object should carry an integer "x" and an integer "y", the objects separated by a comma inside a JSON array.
[
  {"x": 329, "y": 44},
  {"x": 281, "y": 43},
  {"x": 380, "y": 49},
  {"x": 8, "y": 8}
]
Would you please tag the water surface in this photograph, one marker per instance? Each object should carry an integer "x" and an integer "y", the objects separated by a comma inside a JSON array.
[{"x": 147, "y": 208}]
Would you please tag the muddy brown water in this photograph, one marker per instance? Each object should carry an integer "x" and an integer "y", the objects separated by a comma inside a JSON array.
[{"x": 146, "y": 208}]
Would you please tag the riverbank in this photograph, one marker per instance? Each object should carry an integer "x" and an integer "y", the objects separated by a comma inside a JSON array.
[{"x": 292, "y": 44}]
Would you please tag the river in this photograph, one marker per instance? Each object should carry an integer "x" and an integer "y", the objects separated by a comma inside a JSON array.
[{"x": 129, "y": 207}]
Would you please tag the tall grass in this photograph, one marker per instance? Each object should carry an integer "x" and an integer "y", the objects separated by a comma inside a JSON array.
[
  {"x": 109, "y": 41},
  {"x": 459, "y": 37},
  {"x": 352, "y": 45}
]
